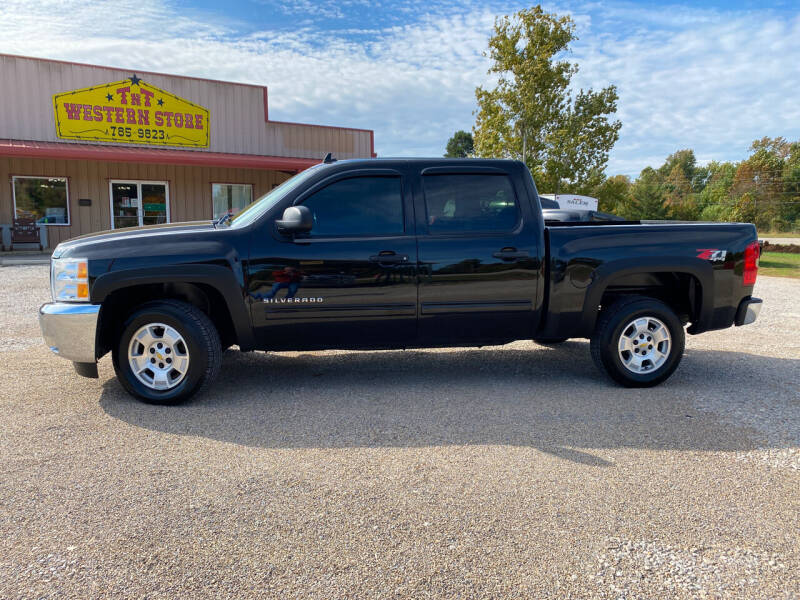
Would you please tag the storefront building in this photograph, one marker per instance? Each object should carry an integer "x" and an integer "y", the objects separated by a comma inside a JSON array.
[{"x": 86, "y": 148}]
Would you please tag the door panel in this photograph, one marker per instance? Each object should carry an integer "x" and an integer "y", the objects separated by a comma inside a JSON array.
[
  {"x": 476, "y": 285},
  {"x": 356, "y": 287},
  {"x": 329, "y": 293},
  {"x": 468, "y": 294}
]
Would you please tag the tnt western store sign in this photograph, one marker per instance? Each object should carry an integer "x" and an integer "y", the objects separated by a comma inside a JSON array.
[
  {"x": 130, "y": 111},
  {"x": 109, "y": 148}
]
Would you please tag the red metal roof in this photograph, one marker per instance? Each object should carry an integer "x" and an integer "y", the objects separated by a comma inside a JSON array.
[{"x": 59, "y": 150}]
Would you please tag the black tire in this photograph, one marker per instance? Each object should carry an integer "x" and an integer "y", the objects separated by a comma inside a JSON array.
[
  {"x": 611, "y": 325},
  {"x": 201, "y": 340},
  {"x": 550, "y": 341}
]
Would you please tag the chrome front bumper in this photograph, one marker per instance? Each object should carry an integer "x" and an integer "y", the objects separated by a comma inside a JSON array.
[
  {"x": 748, "y": 311},
  {"x": 70, "y": 329}
]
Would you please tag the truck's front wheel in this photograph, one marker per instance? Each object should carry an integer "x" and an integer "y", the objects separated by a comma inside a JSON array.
[
  {"x": 167, "y": 352},
  {"x": 638, "y": 341}
]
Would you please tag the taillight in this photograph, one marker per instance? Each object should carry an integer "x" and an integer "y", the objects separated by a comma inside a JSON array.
[{"x": 751, "y": 254}]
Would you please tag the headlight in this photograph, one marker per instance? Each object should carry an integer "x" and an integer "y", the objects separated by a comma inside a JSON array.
[{"x": 69, "y": 279}]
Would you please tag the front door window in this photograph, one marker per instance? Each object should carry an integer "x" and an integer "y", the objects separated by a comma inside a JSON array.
[{"x": 137, "y": 203}]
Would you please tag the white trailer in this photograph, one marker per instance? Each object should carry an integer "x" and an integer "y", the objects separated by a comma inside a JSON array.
[{"x": 572, "y": 201}]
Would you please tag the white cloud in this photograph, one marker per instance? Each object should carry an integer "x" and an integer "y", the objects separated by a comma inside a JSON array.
[
  {"x": 714, "y": 87},
  {"x": 687, "y": 78}
]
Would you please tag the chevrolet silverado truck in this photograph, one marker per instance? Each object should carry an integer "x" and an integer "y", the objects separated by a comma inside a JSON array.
[{"x": 392, "y": 254}]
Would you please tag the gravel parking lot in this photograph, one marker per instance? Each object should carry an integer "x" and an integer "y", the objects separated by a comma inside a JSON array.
[{"x": 514, "y": 471}]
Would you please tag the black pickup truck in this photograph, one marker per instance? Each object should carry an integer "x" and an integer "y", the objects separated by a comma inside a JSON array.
[{"x": 377, "y": 254}]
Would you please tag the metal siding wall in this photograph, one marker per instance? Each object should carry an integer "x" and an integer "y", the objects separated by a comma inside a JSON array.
[
  {"x": 237, "y": 110},
  {"x": 189, "y": 189},
  {"x": 312, "y": 142}
]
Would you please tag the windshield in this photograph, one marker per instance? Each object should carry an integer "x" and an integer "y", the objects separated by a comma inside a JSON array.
[{"x": 253, "y": 211}]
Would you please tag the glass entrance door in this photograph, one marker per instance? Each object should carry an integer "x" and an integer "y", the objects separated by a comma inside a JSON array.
[
  {"x": 137, "y": 203},
  {"x": 124, "y": 205}
]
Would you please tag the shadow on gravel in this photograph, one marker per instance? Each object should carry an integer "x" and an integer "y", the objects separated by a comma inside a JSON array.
[{"x": 550, "y": 399}]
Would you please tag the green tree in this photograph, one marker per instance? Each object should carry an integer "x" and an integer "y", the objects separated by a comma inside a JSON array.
[
  {"x": 745, "y": 208},
  {"x": 647, "y": 197},
  {"x": 679, "y": 197},
  {"x": 790, "y": 206},
  {"x": 763, "y": 189},
  {"x": 713, "y": 200},
  {"x": 682, "y": 159},
  {"x": 758, "y": 184},
  {"x": 614, "y": 194},
  {"x": 460, "y": 145},
  {"x": 776, "y": 146},
  {"x": 531, "y": 113},
  {"x": 686, "y": 161}
]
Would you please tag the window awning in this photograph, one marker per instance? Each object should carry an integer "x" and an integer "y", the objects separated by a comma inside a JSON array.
[{"x": 69, "y": 151}]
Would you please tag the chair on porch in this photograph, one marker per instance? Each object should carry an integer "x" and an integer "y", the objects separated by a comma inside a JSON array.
[{"x": 25, "y": 231}]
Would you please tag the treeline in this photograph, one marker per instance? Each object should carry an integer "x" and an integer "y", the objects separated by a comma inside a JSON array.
[
  {"x": 763, "y": 189},
  {"x": 533, "y": 114}
]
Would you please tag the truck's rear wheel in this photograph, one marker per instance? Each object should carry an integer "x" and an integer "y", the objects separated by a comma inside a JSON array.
[
  {"x": 638, "y": 341},
  {"x": 168, "y": 351}
]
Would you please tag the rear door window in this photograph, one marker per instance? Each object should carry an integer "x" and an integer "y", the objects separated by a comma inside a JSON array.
[{"x": 468, "y": 202}]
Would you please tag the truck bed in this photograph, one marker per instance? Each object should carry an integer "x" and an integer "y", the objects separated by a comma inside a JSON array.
[{"x": 585, "y": 260}]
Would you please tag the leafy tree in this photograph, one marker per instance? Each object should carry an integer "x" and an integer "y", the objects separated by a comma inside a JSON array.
[
  {"x": 714, "y": 199},
  {"x": 460, "y": 145},
  {"x": 700, "y": 179},
  {"x": 717, "y": 212},
  {"x": 678, "y": 195},
  {"x": 790, "y": 207},
  {"x": 531, "y": 113},
  {"x": 684, "y": 160},
  {"x": 614, "y": 194},
  {"x": 647, "y": 197},
  {"x": 777, "y": 146},
  {"x": 763, "y": 189},
  {"x": 745, "y": 209},
  {"x": 758, "y": 183}
]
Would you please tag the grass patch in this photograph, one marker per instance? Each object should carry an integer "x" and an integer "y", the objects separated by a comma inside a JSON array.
[{"x": 779, "y": 264}]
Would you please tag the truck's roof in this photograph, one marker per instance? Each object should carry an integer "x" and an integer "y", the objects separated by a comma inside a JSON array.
[{"x": 427, "y": 161}]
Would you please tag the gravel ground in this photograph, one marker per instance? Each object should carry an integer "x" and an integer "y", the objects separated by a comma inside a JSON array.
[
  {"x": 781, "y": 240},
  {"x": 512, "y": 472}
]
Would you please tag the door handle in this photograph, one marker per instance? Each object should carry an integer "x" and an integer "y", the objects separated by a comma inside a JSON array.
[
  {"x": 389, "y": 257},
  {"x": 510, "y": 254}
]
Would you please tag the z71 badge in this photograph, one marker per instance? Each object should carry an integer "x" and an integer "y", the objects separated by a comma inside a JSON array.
[{"x": 712, "y": 254}]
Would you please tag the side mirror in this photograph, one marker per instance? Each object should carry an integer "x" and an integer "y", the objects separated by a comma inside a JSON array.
[{"x": 296, "y": 219}]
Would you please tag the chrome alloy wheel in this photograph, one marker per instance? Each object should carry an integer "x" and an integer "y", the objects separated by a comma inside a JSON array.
[
  {"x": 158, "y": 356},
  {"x": 644, "y": 345}
]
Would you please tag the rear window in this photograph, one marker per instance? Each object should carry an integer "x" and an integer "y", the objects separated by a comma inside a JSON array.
[{"x": 470, "y": 203}]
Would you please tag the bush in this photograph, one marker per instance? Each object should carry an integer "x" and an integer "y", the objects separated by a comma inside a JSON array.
[
  {"x": 716, "y": 212},
  {"x": 780, "y": 225}
]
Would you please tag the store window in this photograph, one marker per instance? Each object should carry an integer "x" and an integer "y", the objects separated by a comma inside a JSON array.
[
  {"x": 137, "y": 203},
  {"x": 43, "y": 199},
  {"x": 230, "y": 198}
]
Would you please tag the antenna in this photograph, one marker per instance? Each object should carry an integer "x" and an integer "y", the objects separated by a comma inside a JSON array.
[{"x": 328, "y": 159}]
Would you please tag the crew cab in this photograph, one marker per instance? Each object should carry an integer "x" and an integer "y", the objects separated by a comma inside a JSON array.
[{"x": 391, "y": 254}]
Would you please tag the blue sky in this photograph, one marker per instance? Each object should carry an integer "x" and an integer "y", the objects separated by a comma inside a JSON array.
[{"x": 710, "y": 76}]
